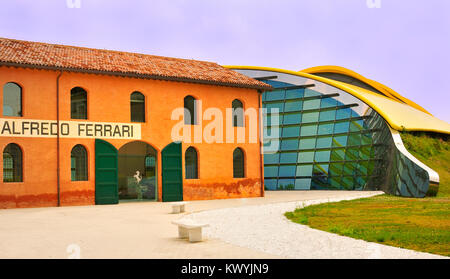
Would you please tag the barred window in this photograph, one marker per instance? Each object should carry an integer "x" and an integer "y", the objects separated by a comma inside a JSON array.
[
  {"x": 78, "y": 103},
  {"x": 12, "y": 163},
  {"x": 238, "y": 163},
  {"x": 191, "y": 163},
  {"x": 12, "y": 99},
  {"x": 78, "y": 163},
  {"x": 137, "y": 107}
]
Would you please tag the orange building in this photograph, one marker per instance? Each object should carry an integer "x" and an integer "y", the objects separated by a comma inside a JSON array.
[{"x": 84, "y": 126}]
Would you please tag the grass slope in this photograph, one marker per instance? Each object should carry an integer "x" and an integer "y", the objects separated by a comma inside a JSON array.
[{"x": 418, "y": 224}]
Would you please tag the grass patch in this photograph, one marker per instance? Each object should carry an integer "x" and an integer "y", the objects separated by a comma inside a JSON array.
[{"x": 417, "y": 224}]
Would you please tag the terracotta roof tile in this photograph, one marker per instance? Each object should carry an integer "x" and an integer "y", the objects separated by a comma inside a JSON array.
[{"x": 42, "y": 55}]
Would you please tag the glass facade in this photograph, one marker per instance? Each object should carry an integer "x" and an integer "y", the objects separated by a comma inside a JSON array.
[{"x": 317, "y": 136}]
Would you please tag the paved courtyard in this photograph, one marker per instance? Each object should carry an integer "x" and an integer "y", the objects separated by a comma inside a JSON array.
[{"x": 144, "y": 229}]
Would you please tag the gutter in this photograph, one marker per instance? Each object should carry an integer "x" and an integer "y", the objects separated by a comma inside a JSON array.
[
  {"x": 58, "y": 168},
  {"x": 261, "y": 155}
]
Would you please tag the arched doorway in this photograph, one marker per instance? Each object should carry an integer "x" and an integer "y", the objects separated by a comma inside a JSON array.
[{"x": 137, "y": 172}]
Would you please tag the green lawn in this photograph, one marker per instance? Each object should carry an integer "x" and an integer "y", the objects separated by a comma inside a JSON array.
[{"x": 418, "y": 224}]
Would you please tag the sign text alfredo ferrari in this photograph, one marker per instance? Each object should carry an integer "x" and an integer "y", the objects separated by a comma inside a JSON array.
[{"x": 68, "y": 129}]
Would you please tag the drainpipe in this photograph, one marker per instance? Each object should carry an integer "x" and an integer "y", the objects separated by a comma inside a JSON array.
[
  {"x": 58, "y": 169},
  {"x": 261, "y": 158}
]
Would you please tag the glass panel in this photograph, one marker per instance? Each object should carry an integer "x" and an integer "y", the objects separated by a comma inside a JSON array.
[
  {"x": 287, "y": 158},
  {"x": 295, "y": 93},
  {"x": 311, "y": 93},
  {"x": 293, "y": 106},
  {"x": 287, "y": 171},
  {"x": 304, "y": 170},
  {"x": 343, "y": 113},
  {"x": 307, "y": 143},
  {"x": 274, "y": 107},
  {"x": 306, "y": 157},
  {"x": 289, "y": 132},
  {"x": 309, "y": 117},
  {"x": 356, "y": 126},
  {"x": 320, "y": 170},
  {"x": 354, "y": 139},
  {"x": 352, "y": 153},
  {"x": 366, "y": 139},
  {"x": 323, "y": 156},
  {"x": 309, "y": 130},
  {"x": 327, "y": 115},
  {"x": 328, "y": 103},
  {"x": 303, "y": 184},
  {"x": 270, "y": 184},
  {"x": 273, "y": 119},
  {"x": 336, "y": 169},
  {"x": 271, "y": 171},
  {"x": 326, "y": 129},
  {"x": 337, "y": 155},
  {"x": 286, "y": 184},
  {"x": 311, "y": 104},
  {"x": 275, "y": 95},
  {"x": 271, "y": 158},
  {"x": 289, "y": 144},
  {"x": 340, "y": 141},
  {"x": 341, "y": 127},
  {"x": 324, "y": 142},
  {"x": 293, "y": 118}
]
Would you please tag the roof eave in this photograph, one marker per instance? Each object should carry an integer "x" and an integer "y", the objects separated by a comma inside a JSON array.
[{"x": 135, "y": 75}]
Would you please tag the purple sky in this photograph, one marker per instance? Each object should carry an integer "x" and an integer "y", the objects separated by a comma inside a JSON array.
[{"x": 405, "y": 44}]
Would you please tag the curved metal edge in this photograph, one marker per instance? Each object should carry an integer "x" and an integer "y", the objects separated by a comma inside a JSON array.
[{"x": 434, "y": 176}]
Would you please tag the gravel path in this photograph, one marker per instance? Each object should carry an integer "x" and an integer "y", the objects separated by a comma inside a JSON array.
[{"x": 264, "y": 228}]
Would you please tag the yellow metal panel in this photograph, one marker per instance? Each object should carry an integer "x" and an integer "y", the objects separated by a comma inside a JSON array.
[
  {"x": 398, "y": 115},
  {"x": 381, "y": 87}
]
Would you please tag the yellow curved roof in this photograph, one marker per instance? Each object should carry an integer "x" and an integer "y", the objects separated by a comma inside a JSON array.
[
  {"x": 398, "y": 115},
  {"x": 380, "y": 87}
]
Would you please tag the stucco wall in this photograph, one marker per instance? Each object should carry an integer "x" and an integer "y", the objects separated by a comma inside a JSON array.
[{"x": 108, "y": 101}]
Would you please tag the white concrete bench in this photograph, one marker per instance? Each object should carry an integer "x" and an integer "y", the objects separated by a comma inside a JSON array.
[
  {"x": 190, "y": 229},
  {"x": 178, "y": 207}
]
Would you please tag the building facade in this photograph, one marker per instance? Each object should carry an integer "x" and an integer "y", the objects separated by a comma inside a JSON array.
[
  {"x": 330, "y": 128},
  {"x": 114, "y": 112}
]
